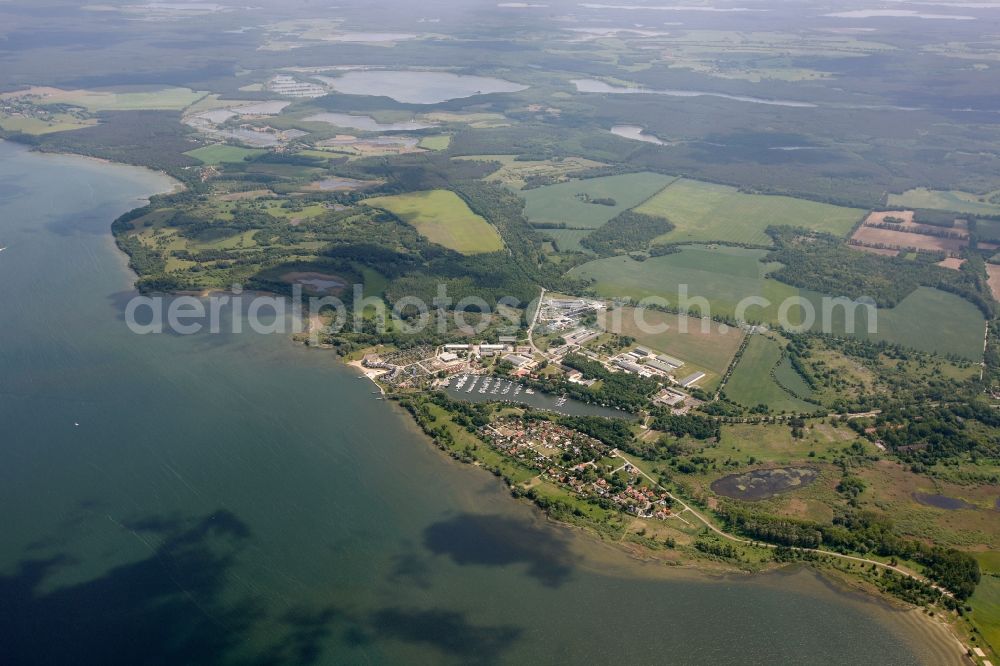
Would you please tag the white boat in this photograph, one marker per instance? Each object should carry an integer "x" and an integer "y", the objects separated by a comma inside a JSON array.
[{"x": 529, "y": 391}]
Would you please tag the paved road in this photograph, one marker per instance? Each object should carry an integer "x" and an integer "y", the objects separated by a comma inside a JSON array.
[{"x": 534, "y": 320}]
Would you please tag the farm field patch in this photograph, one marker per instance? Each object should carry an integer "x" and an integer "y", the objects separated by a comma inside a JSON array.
[
  {"x": 951, "y": 200},
  {"x": 443, "y": 218},
  {"x": 722, "y": 275},
  {"x": 708, "y": 212},
  {"x": 219, "y": 153},
  {"x": 435, "y": 142},
  {"x": 58, "y": 122},
  {"x": 568, "y": 240},
  {"x": 173, "y": 99},
  {"x": 514, "y": 172},
  {"x": 903, "y": 233},
  {"x": 752, "y": 384},
  {"x": 567, "y": 203}
]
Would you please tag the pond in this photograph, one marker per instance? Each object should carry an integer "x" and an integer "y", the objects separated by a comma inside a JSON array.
[
  {"x": 475, "y": 388},
  {"x": 418, "y": 87},
  {"x": 636, "y": 133},
  {"x": 942, "y": 501},
  {"x": 761, "y": 484}
]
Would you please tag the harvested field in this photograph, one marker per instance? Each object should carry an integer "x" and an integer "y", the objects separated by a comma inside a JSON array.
[
  {"x": 993, "y": 270},
  {"x": 905, "y": 219},
  {"x": 909, "y": 235},
  {"x": 952, "y": 262},
  {"x": 904, "y": 240},
  {"x": 248, "y": 195}
]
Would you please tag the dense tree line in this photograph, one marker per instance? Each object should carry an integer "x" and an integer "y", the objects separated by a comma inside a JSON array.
[
  {"x": 861, "y": 532},
  {"x": 823, "y": 263},
  {"x": 626, "y": 232}
]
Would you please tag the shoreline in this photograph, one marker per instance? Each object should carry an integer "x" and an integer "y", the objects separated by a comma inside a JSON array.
[
  {"x": 599, "y": 555},
  {"x": 953, "y": 644},
  {"x": 177, "y": 186}
]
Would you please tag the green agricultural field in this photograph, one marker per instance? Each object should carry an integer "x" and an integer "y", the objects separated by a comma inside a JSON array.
[
  {"x": 60, "y": 122},
  {"x": 710, "y": 351},
  {"x": 722, "y": 275},
  {"x": 935, "y": 321},
  {"x": 752, "y": 384},
  {"x": 986, "y": 609},
  {"x": 790, "y": 379},
  {"x": 436, "y": 142},
  {"x": 988, "y": 230},
  {"x": 564, "y": 203},
  {"x": 708, "y": 212},
  {"x": 220, "y": 152},
  {"x": 569, "y": 239},
  {"x": 950, "y": 200},
  {"x": 443, "y": 218},
  {"x": 168, "y": 99}
]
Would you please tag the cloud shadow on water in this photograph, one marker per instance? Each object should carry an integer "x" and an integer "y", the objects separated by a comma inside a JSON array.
[
  {"x": 167, "y": 608},
  {"x": 448, "y": 631},
  {"x": 496, "y": 541}
]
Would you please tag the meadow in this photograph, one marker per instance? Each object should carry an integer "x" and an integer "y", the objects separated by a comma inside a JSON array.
[
  {"x": 708, "y": 212},
  {"x": 219, "y": 153},
  {"x": 950, "y": 200},
  {"x": 564, "y": 203},
  {"x": 435, "y": 142},
  {"x": 752, "y": 384},
  {"x": 443, "y": 218}
]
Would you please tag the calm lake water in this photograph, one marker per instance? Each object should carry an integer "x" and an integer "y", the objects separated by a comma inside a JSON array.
[
  {"x": 215, "y": 499},
  {"x": 636, "y": 133},
  {"x": 415, "y": 87}
]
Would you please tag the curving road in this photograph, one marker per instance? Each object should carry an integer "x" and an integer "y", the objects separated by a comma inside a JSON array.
[{"x": 737, "y": 539}]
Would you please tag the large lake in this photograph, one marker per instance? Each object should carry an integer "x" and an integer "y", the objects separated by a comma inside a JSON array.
[
  {"x": 217, "y": 499},
  {"x": 417, "y": 87}
]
